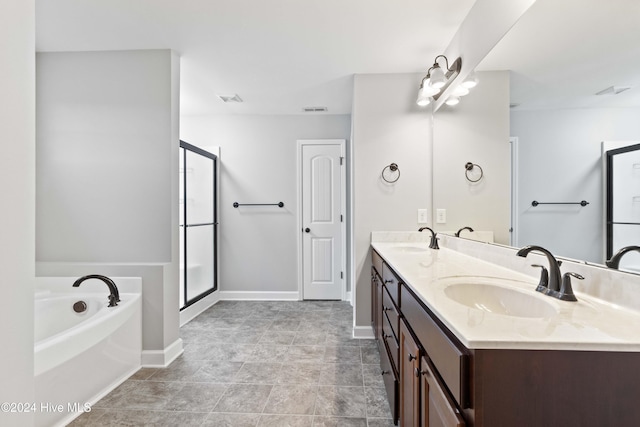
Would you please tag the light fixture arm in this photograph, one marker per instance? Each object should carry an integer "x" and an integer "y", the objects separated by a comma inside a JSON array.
[{"x": 451, "y": 73}]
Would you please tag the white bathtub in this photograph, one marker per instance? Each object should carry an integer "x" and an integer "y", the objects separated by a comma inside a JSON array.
[{"x": 80, "y": 357}]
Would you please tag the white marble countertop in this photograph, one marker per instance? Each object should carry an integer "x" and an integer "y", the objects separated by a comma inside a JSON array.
[{"x": 590, "y": 324}]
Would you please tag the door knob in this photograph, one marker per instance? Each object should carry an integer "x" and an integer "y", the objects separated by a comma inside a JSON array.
[{"x": 307, "y": 230}]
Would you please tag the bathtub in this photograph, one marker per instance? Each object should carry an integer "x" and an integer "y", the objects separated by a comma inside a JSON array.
[{"x": 80, "y": 357}]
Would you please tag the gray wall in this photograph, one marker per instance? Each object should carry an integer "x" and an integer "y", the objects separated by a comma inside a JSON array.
[
  {"x": 17, "y": 190},
  {"x": 104, "y": 155},
  {"x": 258, "y": 245},
  {"x": 107, "y": 178},
  {"x": 559, "y": 160},
  {"x": 388, "y": 127},
  {"x": 476, "y": 130}
]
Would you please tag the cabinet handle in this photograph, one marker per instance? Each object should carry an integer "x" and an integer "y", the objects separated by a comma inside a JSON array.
[
  {"x": 411, "y": 358},
  {"x": 384, "y": 372},
  {"x": 388, "y": 281},
  {"x": 417, "y": 372},
  {"x": 385, "y": 336},
  {"x": 386, "y": 308}
]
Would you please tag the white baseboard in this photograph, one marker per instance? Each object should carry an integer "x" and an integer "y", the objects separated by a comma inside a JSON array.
[
  {"x": 162, "y": 358},
  {"x": 258, "y": 296},
  {"x": 363, "y": 332},
  {"x": 348, "y": 298},
  {"x": 193, "y": 310}
]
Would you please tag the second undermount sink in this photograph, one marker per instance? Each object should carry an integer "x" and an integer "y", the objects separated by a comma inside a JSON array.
[{"x": 499, "y": 299}]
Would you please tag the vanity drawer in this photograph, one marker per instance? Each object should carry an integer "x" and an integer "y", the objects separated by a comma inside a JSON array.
[
  {"x": 390, "y": 309},
  {"x": 449, "y": 357},
  {"x": 392, "y": 282},
  {"x": 376, "y": 262},
  {"x": 392, "y": 342}
]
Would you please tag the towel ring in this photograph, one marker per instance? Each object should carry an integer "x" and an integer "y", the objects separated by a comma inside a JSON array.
[
  {"x": 393, "y": 168},
  {"x": 470, "y": 167}
]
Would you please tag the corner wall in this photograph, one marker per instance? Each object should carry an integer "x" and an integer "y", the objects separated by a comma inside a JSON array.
[
  {"x": 388, "y": 127},
  {"x": 17, "y": 190}
]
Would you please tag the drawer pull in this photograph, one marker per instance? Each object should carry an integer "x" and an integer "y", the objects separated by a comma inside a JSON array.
[{"x": 412, "y": 358}]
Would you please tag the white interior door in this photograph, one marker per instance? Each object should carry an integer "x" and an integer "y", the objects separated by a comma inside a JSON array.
[{"x": 321, "y": 219}]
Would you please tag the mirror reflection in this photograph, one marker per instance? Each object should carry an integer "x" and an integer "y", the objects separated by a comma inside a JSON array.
[{"x": 574, "y": 80}]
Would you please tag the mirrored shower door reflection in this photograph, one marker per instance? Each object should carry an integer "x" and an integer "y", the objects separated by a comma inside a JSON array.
[
  {"x": 198, "y": 224},
  {"x": 623, "y": 203}
]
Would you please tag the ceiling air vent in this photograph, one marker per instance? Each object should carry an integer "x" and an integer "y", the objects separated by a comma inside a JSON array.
[
  {"x": 230, "y": 98},
  {"x": 314, "y": 109},
  {"x": 613, "y": 90}
]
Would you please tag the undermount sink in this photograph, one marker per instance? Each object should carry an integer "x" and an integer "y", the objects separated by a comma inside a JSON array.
[{"x": 498, "y": 299}]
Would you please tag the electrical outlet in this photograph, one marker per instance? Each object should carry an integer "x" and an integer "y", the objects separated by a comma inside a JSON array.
[
  {"x": 441, "y": 216},
  {"x": 423, "y": 218}
]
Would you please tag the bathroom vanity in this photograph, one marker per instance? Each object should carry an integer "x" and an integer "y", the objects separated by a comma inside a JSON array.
[{"x": 468, "y": 342}]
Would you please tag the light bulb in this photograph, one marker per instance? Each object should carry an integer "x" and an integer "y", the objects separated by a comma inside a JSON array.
[
  {"x": 427, "y": 90},
  {"x": 460, "y": 91},
  {"x": 423, "y": 101},
  {"x": 452, "y": 100},
  {"x": 437, "y": 77},
  {"x": 470, "y": 81}
]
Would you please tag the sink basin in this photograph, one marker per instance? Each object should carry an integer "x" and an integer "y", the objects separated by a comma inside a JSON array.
[{"x": 500, "y": 300}]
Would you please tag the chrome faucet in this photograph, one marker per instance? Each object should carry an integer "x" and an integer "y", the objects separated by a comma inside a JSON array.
[
  {"x": 614, "y": 262},
  {"x": 433, "y": 244},
  {"x": 114, "y": 295},
  {"x": 457, "y": 234},
  {"x": 552, "y": 282}
]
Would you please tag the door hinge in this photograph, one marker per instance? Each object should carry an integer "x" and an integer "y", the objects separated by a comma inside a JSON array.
[
  {"x": 341, "y": 159},
  {"x": 341, "y": 218},
  {"x": 341, "y": 275}
]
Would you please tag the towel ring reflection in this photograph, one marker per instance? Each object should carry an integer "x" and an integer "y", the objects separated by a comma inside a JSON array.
[
  {"x": 469, "y": 167},
  {"x": 391, "y": 170}
]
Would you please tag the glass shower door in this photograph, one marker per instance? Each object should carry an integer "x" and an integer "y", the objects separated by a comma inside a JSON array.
[{"x": 198, "y": 224}]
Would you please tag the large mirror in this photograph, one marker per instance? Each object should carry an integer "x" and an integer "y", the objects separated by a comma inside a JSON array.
[{"x": 574, "y": 79}]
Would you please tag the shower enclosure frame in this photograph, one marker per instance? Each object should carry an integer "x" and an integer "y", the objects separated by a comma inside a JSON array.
[{"x": 185, "y": 302}]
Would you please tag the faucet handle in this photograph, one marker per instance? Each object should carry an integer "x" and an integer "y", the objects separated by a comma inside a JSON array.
[
  {"x": 566, "y": 292},
  {"x": 543, "y": 285}
]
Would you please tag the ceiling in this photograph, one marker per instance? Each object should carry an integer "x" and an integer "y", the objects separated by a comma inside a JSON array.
[
  {"x": 562, "y": 53},
  {"x": 279, "y": 56}
]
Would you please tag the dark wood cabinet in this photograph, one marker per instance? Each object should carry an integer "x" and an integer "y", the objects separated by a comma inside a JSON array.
[{"x": 409, "y": 378}]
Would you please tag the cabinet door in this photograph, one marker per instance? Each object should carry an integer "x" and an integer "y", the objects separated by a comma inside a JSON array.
[
  {"x": 378, "y": 309},
  {"x": 409, "y": 379},
  {"x": 437, "y": 408},
  {"x": 374, "y": 300}
]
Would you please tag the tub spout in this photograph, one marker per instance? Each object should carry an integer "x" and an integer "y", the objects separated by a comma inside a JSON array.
[{"x": 114, "y": 295}]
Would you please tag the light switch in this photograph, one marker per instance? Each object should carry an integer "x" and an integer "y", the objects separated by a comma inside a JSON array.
[
  {"x": 423, "y": 218},
  {"x": 441, "y": 216}
]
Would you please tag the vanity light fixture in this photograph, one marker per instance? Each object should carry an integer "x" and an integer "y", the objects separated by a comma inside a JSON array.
[{"x": 439, "y": 76}]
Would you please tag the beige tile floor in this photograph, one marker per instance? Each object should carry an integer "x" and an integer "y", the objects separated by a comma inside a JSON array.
[{"x": 250, "y": 363}]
